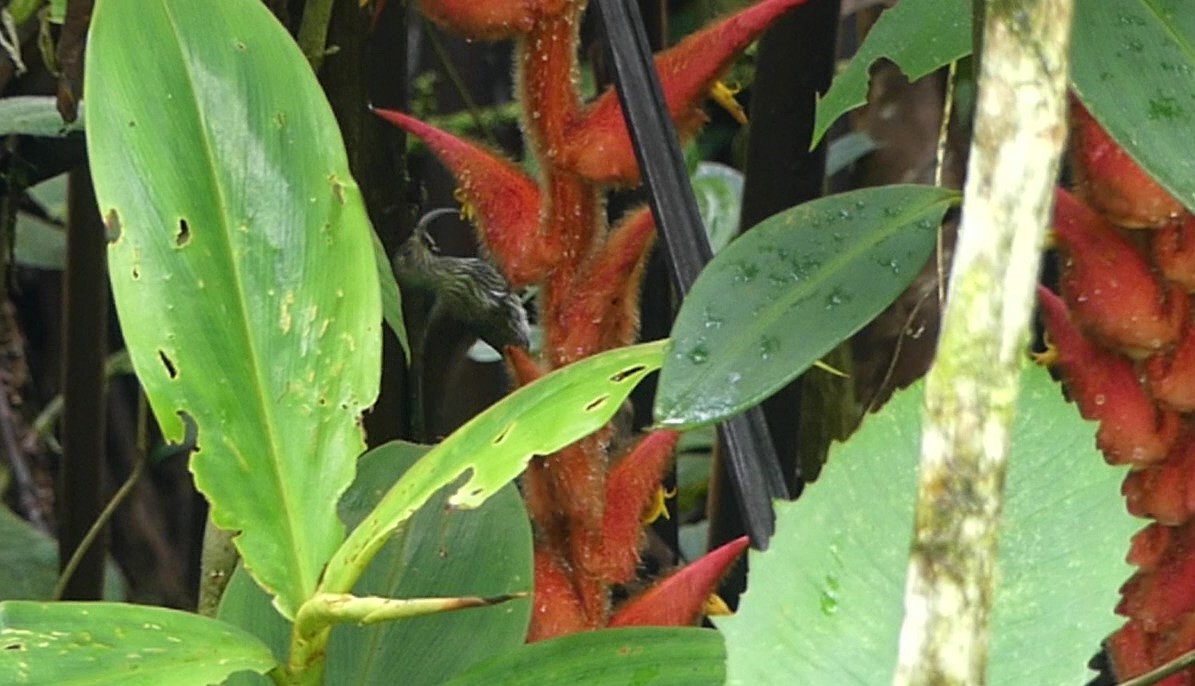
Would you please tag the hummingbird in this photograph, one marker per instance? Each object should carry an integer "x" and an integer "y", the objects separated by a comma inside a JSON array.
[{"x": 469, "y": 290}]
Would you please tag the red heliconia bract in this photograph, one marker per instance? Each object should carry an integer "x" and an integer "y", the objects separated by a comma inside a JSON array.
[
  {"x": 504, "y": 201},
  {"x": 1126, "y": 347},
  {"x": 490, "y": 19},
  {"x": 630, "y": 490},
  {"x": 1174, "y": 251},
  {"x": 1110, "y": 181},
  {"x": 1105, "y": 387},
  {"x": 679, "y": 599},
  {"x": 587, "y": 508},
  {"x": 598, "y": 146},
  {"x": 1111, "y": 288}
]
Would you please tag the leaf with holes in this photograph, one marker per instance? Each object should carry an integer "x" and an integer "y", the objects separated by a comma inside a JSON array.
[
  {"x": 494, "y": 447},
  {"x": 774, "y": 301},
  {"x": 1134, "y": 69},
  {"x": 918, "y": 35},
  {"x": 96, "y": 644},
  {"x": 242, "y": 263}
]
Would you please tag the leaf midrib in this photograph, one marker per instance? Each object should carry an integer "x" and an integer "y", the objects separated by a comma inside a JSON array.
[{"x": 262, "y": 403}]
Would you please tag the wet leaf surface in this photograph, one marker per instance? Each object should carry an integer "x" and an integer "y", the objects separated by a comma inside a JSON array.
[
  {"x": 774, "y": 301},
  {"x": 1133, "y": 65}
]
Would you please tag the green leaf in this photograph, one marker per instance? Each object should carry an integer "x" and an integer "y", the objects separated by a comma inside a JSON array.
[
  {"x": 847, "y": 150},
  {"x": 1133, "y": 66},
  {"x": 773, "y": 302},
  {"x": 825, "y": 603},
  {"x": 442, "y": 551},
  {"x": 38, "y": 243},
  {"x": 494, "y": 447},
  {"x": 613, "y": 657},
  {"x": 242, "y": 265},
  {"x": 918, "y": 35},
  {"x": 35, "y": 115},
  {"x": 99, "y": 644},
  {"x": 719, "y": 192}
]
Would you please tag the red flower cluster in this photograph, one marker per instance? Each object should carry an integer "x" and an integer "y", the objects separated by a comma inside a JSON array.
[
  {"x": 587, "y": 505},
  {"x": 1126, "y": 348}
]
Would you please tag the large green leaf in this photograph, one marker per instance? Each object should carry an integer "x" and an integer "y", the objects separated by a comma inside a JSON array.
[
  {"x": 1133, "y": 65},
  {"x": 242, "y": 265},
  {"x": 788, "y": 291},
  {"x": 100, "y": 644},
  {"x": 441, "y": 552},
  {"x": 613, "y": 657},
  {"x": 918, "y": 35},
  {"x": 824, "y": 603},
  {"x": 495, "y": 446}
]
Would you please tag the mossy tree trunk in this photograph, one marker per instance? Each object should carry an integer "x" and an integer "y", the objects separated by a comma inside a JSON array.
[{"x": 971, "y": 390}]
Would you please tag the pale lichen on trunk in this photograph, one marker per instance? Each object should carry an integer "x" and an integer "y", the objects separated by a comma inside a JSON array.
[{"x": 971, "y": 390}]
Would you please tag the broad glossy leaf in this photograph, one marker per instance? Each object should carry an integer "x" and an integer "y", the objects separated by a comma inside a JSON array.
[
  {"x": 1133, "y": 66},
  {"x": 825, "y": 602},
  {"x": 495, "y": 446},
  {"x": 918, "y": 35},
  {"x": 774, "y": 301},
  {"x": 99, "y": 644},
  {"x": 242, "y": 264},
  {"x": 612, "y": 657},
  {"x": 440, "y": 552}
]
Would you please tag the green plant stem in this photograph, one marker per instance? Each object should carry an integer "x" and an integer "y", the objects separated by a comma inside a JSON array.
[
  {"x": 971, "y": 390},
  {"x": 316, "y": 617},
  {"x": 313, "y": 31},
  {"x": 216, "y": 565},
  {"x": 105, "y": 516}
]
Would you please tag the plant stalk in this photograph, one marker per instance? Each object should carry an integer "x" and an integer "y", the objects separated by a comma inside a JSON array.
[
  {"x": 971, "y": 389},
  {"x": 313, "y": 31}
]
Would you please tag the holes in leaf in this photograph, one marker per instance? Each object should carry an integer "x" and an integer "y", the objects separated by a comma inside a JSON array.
[
  {"x": 628, "y": 372},
  {"x": 184, "y": 233},
  {"x": 168, "y": 364},
  {"x": 503, "y": 435},
  {"x": 189, "y": 443},
  {"x": 596, "y": 403},
  {"x": 191, "y": 430},
  {"x": 112, "y": 225}
]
